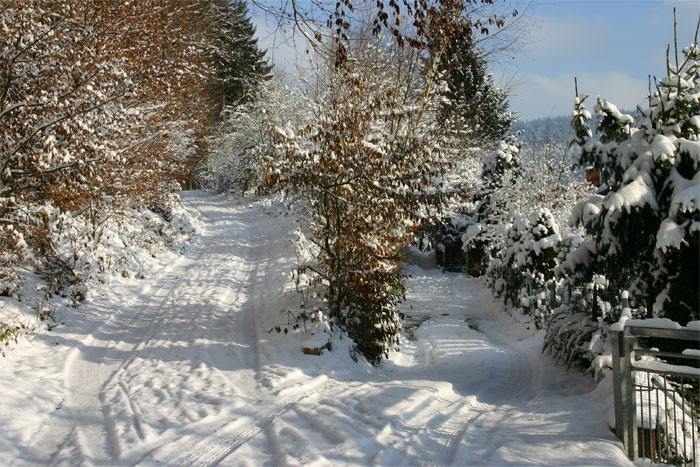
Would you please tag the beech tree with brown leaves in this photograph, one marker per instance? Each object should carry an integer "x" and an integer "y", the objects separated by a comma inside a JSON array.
[
  {"x": 103, "y": 106},
  {"x": 370, "y": 168},
  {"x": 418, "y": 24}
]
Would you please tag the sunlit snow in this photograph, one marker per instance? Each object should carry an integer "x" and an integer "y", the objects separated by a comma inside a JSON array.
[{"x": 180, "y": 369}]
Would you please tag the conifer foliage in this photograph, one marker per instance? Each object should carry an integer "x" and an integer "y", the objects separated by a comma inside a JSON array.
[
  {"x": 240, "y": 64},
  {"x": 474, "y": 99},
  {"x": 523, "y": 275},
  {"x": 484, "y": 239},
  {"x": 642, "y": 238},
  {"x": 247, "y": 102},
  {"x": 644, "y": 235}
]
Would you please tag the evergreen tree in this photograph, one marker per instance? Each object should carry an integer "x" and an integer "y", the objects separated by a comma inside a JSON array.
[
  {"x": 523, "y": 275},
  {"x": 484, "y": 238},
  {"x": 475, "y": 101},
  {"x": 644, "y": 235},
  {"x": 240, "y": 62},
  {"x": 477, "y": 112}
]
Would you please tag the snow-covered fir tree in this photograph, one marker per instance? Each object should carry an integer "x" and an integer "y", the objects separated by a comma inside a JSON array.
[
  {"x": 478, "y": 113},
  {"x": 485, "y": 237},
  {"x": 473, "y": 99},
  {"x": 641, "y": 238},
  {"x": 644, "y": 235},
  {"x": 523, "y": 273}
]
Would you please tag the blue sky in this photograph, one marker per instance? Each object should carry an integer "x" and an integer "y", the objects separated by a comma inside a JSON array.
[{"x": 610, "y": 45}]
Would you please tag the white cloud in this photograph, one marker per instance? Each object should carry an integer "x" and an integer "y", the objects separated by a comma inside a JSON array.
[
  {"x": 612, "y": 47},
  {"x": 542, "y": 96}
]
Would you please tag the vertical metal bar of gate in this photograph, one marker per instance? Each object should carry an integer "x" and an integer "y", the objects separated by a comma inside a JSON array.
[
  {"x": 618, "y": 362},
  {"x": 630, "y": 410}
]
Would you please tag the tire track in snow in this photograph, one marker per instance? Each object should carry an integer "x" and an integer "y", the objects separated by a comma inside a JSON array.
[
  {"x": 522, "y": 374},
  {"x": 213, "y": 446},
  {"x": 222, "y": 441},
  {"x": 513, "y": 378},
  {"x": 104, "y": 368},
  {"x": 83, "y": 372}
]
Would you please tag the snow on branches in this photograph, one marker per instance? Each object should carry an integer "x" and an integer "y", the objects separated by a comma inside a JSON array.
[
  {"x": 521, "y": 210},
  {"x": 371, "y": 168},
  {"x": 245, "y": 136},
  {"x": 640, "y": 256},
  {"x": 84, "y": 94},
  {"x": 102, "y": 108},
  {"x": 644, "y": 235}
]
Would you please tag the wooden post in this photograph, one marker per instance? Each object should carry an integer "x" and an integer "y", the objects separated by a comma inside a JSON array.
[{"x": 595, "y": 301}]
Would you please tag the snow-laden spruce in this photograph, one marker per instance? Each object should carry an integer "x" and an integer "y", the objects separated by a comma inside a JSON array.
[
  {"x": 518, "y": 236},
  {"x": 643, "y": 235}
]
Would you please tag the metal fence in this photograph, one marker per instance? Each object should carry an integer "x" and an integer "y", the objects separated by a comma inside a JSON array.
[{"x": 657, "y": 400}]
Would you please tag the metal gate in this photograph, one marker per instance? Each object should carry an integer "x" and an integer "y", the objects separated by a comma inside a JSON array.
[{"x": 657, "y": 405}]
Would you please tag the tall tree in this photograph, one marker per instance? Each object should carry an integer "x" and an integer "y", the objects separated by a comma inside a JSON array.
[
  {"x": 644, "y": 235},
  {"x": 473, "y": 99},
  {"x": 420, "y": 24},
  {"x": 370, "y": 168},
  {"x": 101, "y": 105},
  {"x": 240, "y": 63}
]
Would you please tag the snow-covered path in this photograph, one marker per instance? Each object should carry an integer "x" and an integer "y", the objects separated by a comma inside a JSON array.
[{"x": 179, "y": 369}]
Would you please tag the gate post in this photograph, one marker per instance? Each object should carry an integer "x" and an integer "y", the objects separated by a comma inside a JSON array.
[
  {"x": 630, "y": 407},
  {"x": 623, "y": 391},
  {"x": 618, "y": 363}
]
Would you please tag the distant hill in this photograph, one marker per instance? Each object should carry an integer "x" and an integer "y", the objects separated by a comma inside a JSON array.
[{"x": 539, "y": 131}]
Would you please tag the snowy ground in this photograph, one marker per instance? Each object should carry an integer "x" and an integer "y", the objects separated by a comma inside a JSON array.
[{"x": 179, "y": 369}]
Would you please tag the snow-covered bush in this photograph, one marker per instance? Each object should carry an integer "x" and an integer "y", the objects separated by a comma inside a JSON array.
[
  {"x": 73, "y": 255},
  {"x": 570, "y": 337},
  {"x": 244, "y": 137},
  {"x": 579, "y": 331},
  {"x": 523, "y": 275},
  {"x": 521, "y": 209},
  {"x": 484, "y": 239},
  {"x": 103, "y": 107},
  {"x": 13, "y": 252}
]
